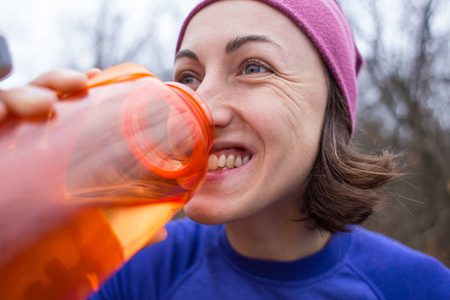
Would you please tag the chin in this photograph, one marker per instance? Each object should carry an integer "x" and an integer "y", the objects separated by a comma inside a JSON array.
[{"x": 205, "y": 213}]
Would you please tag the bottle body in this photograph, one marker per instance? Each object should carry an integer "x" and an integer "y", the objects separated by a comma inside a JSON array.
[{"x": 113, "y": 164}]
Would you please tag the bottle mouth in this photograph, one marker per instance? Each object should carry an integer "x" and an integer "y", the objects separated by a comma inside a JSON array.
[
  {"x": 199, "y": 107},
  {"x": 167, "y": 128}
]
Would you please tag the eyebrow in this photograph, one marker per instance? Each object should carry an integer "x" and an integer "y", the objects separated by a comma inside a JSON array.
[
  {"x": 186, "y": 53},
  {"x": 232, "y": 46},
  {"x": 240, "y": 41}
]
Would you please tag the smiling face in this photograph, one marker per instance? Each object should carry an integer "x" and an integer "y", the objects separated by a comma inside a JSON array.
[{"x": 266, "y": 87}]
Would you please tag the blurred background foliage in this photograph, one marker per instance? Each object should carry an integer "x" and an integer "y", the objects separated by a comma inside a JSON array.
[
  {"x": 404, "y": 95},
  {"x": 403, "y": 90}
]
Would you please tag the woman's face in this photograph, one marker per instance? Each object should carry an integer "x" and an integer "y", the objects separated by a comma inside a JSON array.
[{"x": 267, "y": 88}]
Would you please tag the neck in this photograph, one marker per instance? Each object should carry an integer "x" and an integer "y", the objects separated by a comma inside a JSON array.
[{"x": 267, "y": 237}]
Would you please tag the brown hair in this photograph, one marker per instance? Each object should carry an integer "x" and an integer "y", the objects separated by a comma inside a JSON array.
[{"x": 344, "y": 185}]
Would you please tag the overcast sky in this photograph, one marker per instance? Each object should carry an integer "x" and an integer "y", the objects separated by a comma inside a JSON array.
[{"x": 35, "y": 30}]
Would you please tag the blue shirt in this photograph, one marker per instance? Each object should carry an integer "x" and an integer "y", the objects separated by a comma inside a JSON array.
[{"x": 196, "y": 262}]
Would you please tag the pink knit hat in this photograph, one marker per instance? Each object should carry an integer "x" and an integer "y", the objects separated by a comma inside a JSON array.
[{"x": 328, "y": 29}]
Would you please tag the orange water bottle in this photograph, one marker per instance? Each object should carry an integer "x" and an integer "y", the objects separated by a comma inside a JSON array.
[{"x": 85, "y": 187}]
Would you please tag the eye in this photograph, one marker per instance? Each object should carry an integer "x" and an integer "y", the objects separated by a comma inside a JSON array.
[
  {"x": 254, "y": 66},
  {"x": 252, "y": 69},
  {"x": 188, "y": 78}
]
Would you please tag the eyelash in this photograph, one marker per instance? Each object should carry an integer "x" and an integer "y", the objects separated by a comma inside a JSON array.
[
  {"x": 245, "y": 64},
  {"x": 254, "y": 61},
  {"x": 185, "y": 74}
]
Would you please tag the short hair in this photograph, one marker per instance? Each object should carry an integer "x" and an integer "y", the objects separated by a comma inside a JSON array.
[{"x": 344, "y": 186}]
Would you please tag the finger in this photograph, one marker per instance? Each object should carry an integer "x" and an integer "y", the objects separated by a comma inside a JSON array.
[
  {"x": 62, "y": 80},
  {"x": 28, "y": 100},
  {"x": 3, "y": 112},
  {"x": 160, "y": 236},
  {"x": 92, "y": 72}
]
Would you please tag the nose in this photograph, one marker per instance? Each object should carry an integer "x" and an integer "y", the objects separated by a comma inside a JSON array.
[{"x": 216, "y": 97}]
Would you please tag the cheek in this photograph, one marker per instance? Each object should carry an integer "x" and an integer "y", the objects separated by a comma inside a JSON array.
[{"x": 293, "y": 111}]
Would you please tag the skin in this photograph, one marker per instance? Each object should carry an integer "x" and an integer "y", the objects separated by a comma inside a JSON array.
[
  {"x": 267, "y": 94},
  {"x": 39, "y": 95}
]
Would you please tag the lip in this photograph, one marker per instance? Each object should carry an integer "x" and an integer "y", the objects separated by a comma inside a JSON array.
[
  {"x": 223, "y": 174},
  {"x": 224, "y": 145}
]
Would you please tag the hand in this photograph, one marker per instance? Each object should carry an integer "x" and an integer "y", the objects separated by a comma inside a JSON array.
[
  {"x": 159, "y": 237},
  {"x": 39, "y": 95}
]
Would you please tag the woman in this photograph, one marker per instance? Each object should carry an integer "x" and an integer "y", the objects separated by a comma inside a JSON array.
[{"x": 280, "y": 80}]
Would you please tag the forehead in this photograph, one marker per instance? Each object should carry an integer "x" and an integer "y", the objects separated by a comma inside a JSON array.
[{"x": 231, "y": 18}]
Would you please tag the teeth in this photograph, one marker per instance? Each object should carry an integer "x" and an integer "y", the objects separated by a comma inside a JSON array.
[
  {"x": 238, "y": 161},
  {"x": 230, "y": 161},
  {"x": 212, "y": 163},
  {"x": 224, "y": 162}
]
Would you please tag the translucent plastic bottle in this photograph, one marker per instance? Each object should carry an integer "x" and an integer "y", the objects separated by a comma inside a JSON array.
[{"x": 87, "y": 186}]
